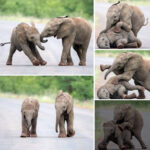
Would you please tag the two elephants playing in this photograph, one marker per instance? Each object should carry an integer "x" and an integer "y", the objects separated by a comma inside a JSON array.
[
  {"x": 74, "y": 32},
  {"x": 123, "y": 24}
]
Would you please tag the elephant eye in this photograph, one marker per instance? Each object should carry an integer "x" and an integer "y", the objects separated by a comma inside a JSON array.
[{"x": 32, "y": 37}]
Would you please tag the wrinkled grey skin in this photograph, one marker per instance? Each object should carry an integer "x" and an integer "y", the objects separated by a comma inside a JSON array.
[
  {"x": 74, "y": 32},
  {"x": 25, "y": 38},
  {"x": 117, "y": 91},
  {"x": 29, "y": 111},
  {"x": 64, "y": 113},
  {"x": 113, "y": 133},
  {"x": 128, "y": 117},
  {"x": 130, "y": 65},
  {"x": 129, "y": 16},
  {"x": 113, "y": 39}
]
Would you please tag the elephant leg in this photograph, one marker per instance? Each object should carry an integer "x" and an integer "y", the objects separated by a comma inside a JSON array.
[
  {"x": 33, "y": 129},
  {"x": 38, "y": 56},
  {"x": 69, "y": 59},
  {"x": 70, "y": 130},
  {"x": 130, "y": 96},
  {"x": 24, "y": 128},
  {"x": 83, "y": 56},
  {"x": 67, "y": 43},
  {"x": 104, "y": 67},
  {"x": 29, "y": 54},
  {"x": 11, "y": 53},
  {"x": 139, "y": 138},
  {"x": 62, "y": 133},
  {"x": 121, "y": 43},
  {"x": 141, "y": 91}
]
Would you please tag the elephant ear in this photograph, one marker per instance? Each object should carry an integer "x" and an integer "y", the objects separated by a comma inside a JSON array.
[
  {"x": 66, "y": 28},
  {"x": 70, "y": 104}
]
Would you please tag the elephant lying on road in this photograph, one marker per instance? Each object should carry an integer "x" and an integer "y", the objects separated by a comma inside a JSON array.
[
  {"x": 128, "y": 65},
  {"x": 74, "y": 32},
  {"x": 122, "y": 39},
  {"x": 128, "y": 117},
  {"x": 113, "y": 133},
  {"x": 29, "y": 111},
  {"x": 129, "y": 16},
  {"x": 64, "y": 112},
  {"x": 26, "y": 38}
]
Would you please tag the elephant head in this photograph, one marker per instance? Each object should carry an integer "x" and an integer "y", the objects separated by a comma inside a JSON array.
[
  {"x": 33, "y": 36},
  {"x": 120, "y": 112},
  {"x": 63, "y": 105},
  {"x": 103, "y": 41},
  {"x": 59, "y": 27},
  {"x": 103, "y": 93},
  {"x": 28, "y": 116},
  {"x": 124, "y": 61},
  {"x": 113, "y": 15}
]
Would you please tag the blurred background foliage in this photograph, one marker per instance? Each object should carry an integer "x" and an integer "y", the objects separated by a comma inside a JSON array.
[
  {"x": 47, "y": 8},
  {"x": 80, "y": 88}
]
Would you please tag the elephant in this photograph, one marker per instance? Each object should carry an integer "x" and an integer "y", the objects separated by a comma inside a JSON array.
[
  {"x": 64, "y": 112},
  {"x": 117, "y": 91},
  {"x": 113, "y": 133},
  {"x": 128, "y": 117},
  {"x": 74, "y": 32},
  {"x": 128, "y": 65},
  {"x": 25, "y": 38},
  {"x": 113, "y": 39},
  {"x": 131, "y": 17},
  {"x": 29, "y": 111}
]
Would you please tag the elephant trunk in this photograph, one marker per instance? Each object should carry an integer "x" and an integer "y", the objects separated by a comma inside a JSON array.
[
  {"x": 39, "y": 45},
  {"x": 109, "y": 71},
  {"x": 42, "y": 39},
  {"x": 58, "y": 114}
]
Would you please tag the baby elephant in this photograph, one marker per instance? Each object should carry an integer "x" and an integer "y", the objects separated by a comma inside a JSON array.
[
  {"x": 74, "y": 32},
  {"x": 118, "y": 90},
  {"x": 64, "y": 112},
  {"x": 25, "y": 38},
  {"x": 115, "y": 39},
  {"x": 29, "y": 110},
  {"x": 113, "y": 133}
]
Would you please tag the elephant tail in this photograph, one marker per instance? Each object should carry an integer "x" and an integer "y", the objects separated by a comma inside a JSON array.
[
  {"x": 2, "y": 44},
  {"x": 146, "y": 23}
]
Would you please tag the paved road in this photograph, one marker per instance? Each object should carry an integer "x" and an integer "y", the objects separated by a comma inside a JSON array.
[
  {"x": 103, "y": 60},
  {"x": 10, "y": 129},
  {"x": 52, "y": 54},
  {"x": 107, "y": 114},
  {"x": 101, "y": 10}
]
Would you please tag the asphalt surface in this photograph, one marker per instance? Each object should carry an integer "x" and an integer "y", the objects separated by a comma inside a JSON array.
[
  {"x": 107, "y": 114},
  {"x": 100, "y": 15},
  {"x": 52, "y": 54},
  {"x": 10, "y": 129},
  {"x": 100, "y": 81}
]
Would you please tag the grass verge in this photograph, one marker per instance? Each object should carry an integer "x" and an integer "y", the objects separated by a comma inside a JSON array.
[{"x": 47, "y": 99}]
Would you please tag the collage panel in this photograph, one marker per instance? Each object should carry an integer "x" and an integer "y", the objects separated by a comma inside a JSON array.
[
  {"x": 122, "y": 125},
  {"x": 43, "y": 112},
  {"x": 57, "y": 41},
  {"x": 122, "y": 74},
  {"x": 122, "y": 24}
]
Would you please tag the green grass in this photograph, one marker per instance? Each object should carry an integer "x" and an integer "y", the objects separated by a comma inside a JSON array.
[
  {"x": 114, "y": 53},
  {"x": 133, "y": 2},
  {"x": 48, "y": 99}
]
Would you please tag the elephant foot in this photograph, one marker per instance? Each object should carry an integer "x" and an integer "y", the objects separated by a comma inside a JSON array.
[
  {"x": 33, "y": 135},
  {"x": 43, "y": 63},
  {"x": 144, "y": 147},
  {"x": 36, "y": 62},
  {"x": 70, "y": 64},
  {"x": 82, "y": 64},
  {"x": 9, "y": 63},
  {"x": 62, "y": 135},
  {"x": 141, "y": 97},
  {"x": 70, "y": 134},
  {"x": 102, "y": 68},
  {"x": 120, "y": 46},
  {"x": 62, "y": 64},
  {"x": 23, "y": 135}
]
